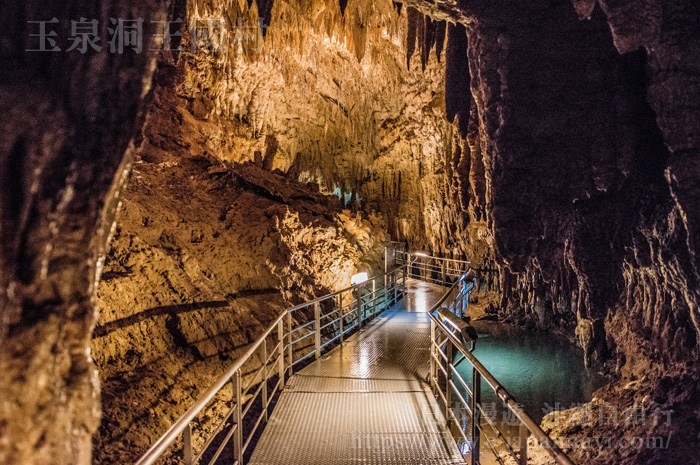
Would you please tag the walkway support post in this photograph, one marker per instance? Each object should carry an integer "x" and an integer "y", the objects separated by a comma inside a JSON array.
[
  {"x": 433, "y": 352},
  {"x": 524, "y": 434},
  {"x": 386, "y": 288},
  {"x": 341, "y": 320},
  {"x": 264, "y": 379},
  {"x": 396, "y": 287},
  {"x": 448, "y": 388},
  {"x": 280, "y": 362},
  {"x": 187, "y": 439},
  {"x": 476, "y": 415},
  {"x": 404, "y": 281},
  {"x": 386, "y": 259},
  {"x": 374, "y": 297},
  {"x": 290, "y": 352},
  {"x": 238, "y": 445},
  {"x": 317, "y": 330}
]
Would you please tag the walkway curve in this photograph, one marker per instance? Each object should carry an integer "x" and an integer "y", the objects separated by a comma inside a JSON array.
[{"x": 367, "y": 401}]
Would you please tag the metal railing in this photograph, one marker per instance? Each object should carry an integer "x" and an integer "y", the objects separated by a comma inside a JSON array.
[
  {"x": 391, "y": 251},
  {"x": 445, "y": 339},
  {"x": 443, "y": 271},
  {"x": 244, "y": 394}
]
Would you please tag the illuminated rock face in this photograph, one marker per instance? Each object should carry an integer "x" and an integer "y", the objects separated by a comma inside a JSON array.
[
  {"x": 67, "y": 123},
  {"x": 330, "y": 99},
  {"x": 554, "y": 143}
]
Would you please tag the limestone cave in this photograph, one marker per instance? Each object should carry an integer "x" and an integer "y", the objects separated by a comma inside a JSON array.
[{"x": 175, "y": 175}]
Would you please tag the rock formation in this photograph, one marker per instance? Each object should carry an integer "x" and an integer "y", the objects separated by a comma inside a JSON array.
[{"x": 553, "y": 144}]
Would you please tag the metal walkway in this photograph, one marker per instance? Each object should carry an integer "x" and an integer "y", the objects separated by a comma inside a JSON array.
[
  {"x": 366, "y": 401},
  {"x": 371, "y": 398}
]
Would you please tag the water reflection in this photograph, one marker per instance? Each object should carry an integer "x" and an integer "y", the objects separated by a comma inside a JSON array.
[{"x": 541, "y": 371}]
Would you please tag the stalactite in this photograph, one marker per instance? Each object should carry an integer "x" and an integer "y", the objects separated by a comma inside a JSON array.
[
  {"x": 440, "y": 29},
  {"x": 457, "y": 79},
  {"x": 420, "y": 36},
  {"x": 411, "y": 30},
  {"x": 265, "y": 12},
  {"x": 428, "y": 40},
  {"x": 359, "y": 35}
]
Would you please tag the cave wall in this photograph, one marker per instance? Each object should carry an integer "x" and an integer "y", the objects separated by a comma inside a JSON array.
[
  {"x": 593, "y": 228},
  {"x": 212, "y": 244},
  {"x": 67, "y": 123},
  {"x": 341, "y": 98},
  {"x": 585, "y": 114},
  {"x": 587, "y": 128}
]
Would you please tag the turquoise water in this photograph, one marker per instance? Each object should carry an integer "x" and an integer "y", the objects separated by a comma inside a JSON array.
[{"x": 541, "y": 371}]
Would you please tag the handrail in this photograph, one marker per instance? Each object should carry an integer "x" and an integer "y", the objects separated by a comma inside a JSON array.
[
  {"x": 284, "y": 354},
  {"x": 182, "y": 424},
  {"x": 179, "y": 426},
  {"x": 342, "y": 291},
  {"x": 422, "y": 255},
  {"x": 542, "y": 438}
]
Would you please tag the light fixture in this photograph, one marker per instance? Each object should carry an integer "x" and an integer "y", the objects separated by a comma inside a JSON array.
[
  {"x": 359, "y": 278},
  {"x": 422, "y": 254}
]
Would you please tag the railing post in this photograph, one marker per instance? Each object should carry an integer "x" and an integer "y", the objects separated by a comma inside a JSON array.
[
  {"x": 187, "y": 439},
  {"x": 476, "y": 415},
  {"x": 386, "y": 287},
  {"x": 448, "y": 387},
  {"x": 404, "y": 281},
  {"x": 264, "y": 378},
  {"x": 342, "y": 318},
  {"x": 374, "y": 297},
  {"x": 465, "y": 301},
  {"x": 317, "y": 328},
  {"x": 396, "y": 287},
  {"x": 280, "y": 363},
  {"x": 238, "y": 446},
  {"x": 524, "y": 434},
  {"x": 359, "y": 309},
  {"x": 444, "y": 278},
  {"x": 433, "y": 342},
  {"x": 290, "y": 351}
]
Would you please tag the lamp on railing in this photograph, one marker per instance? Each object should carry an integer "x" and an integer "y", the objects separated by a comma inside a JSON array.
[{"x": 359, "y": 278}]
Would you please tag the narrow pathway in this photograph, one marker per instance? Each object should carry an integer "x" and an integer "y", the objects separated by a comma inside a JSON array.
[{"x": 366, "y": 402}]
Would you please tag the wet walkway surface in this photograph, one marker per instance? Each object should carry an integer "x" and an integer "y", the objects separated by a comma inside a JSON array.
[{"x": 367, "y": 401}]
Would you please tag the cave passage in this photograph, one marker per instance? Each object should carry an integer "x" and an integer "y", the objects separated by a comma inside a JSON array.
[{"x": 203, "y": 201}]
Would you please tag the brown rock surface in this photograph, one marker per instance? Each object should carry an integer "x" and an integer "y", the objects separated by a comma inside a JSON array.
[
  {"x": 205, "y": 255},
  {"x": 567, "y": 173}
]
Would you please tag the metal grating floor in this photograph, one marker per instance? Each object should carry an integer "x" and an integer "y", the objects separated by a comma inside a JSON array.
[{"x": 366, "y": 402}]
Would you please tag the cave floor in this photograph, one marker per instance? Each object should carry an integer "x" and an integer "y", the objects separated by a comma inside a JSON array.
[{"x": 366, "y": 401}]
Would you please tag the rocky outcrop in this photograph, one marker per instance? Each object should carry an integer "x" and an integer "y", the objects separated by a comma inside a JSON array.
[
  {"x": 332, "y": 95},
  {"x": 205, "y": 255},
  {"x": 585, "y": 120},
  {"x": 68, "y": 119}
]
